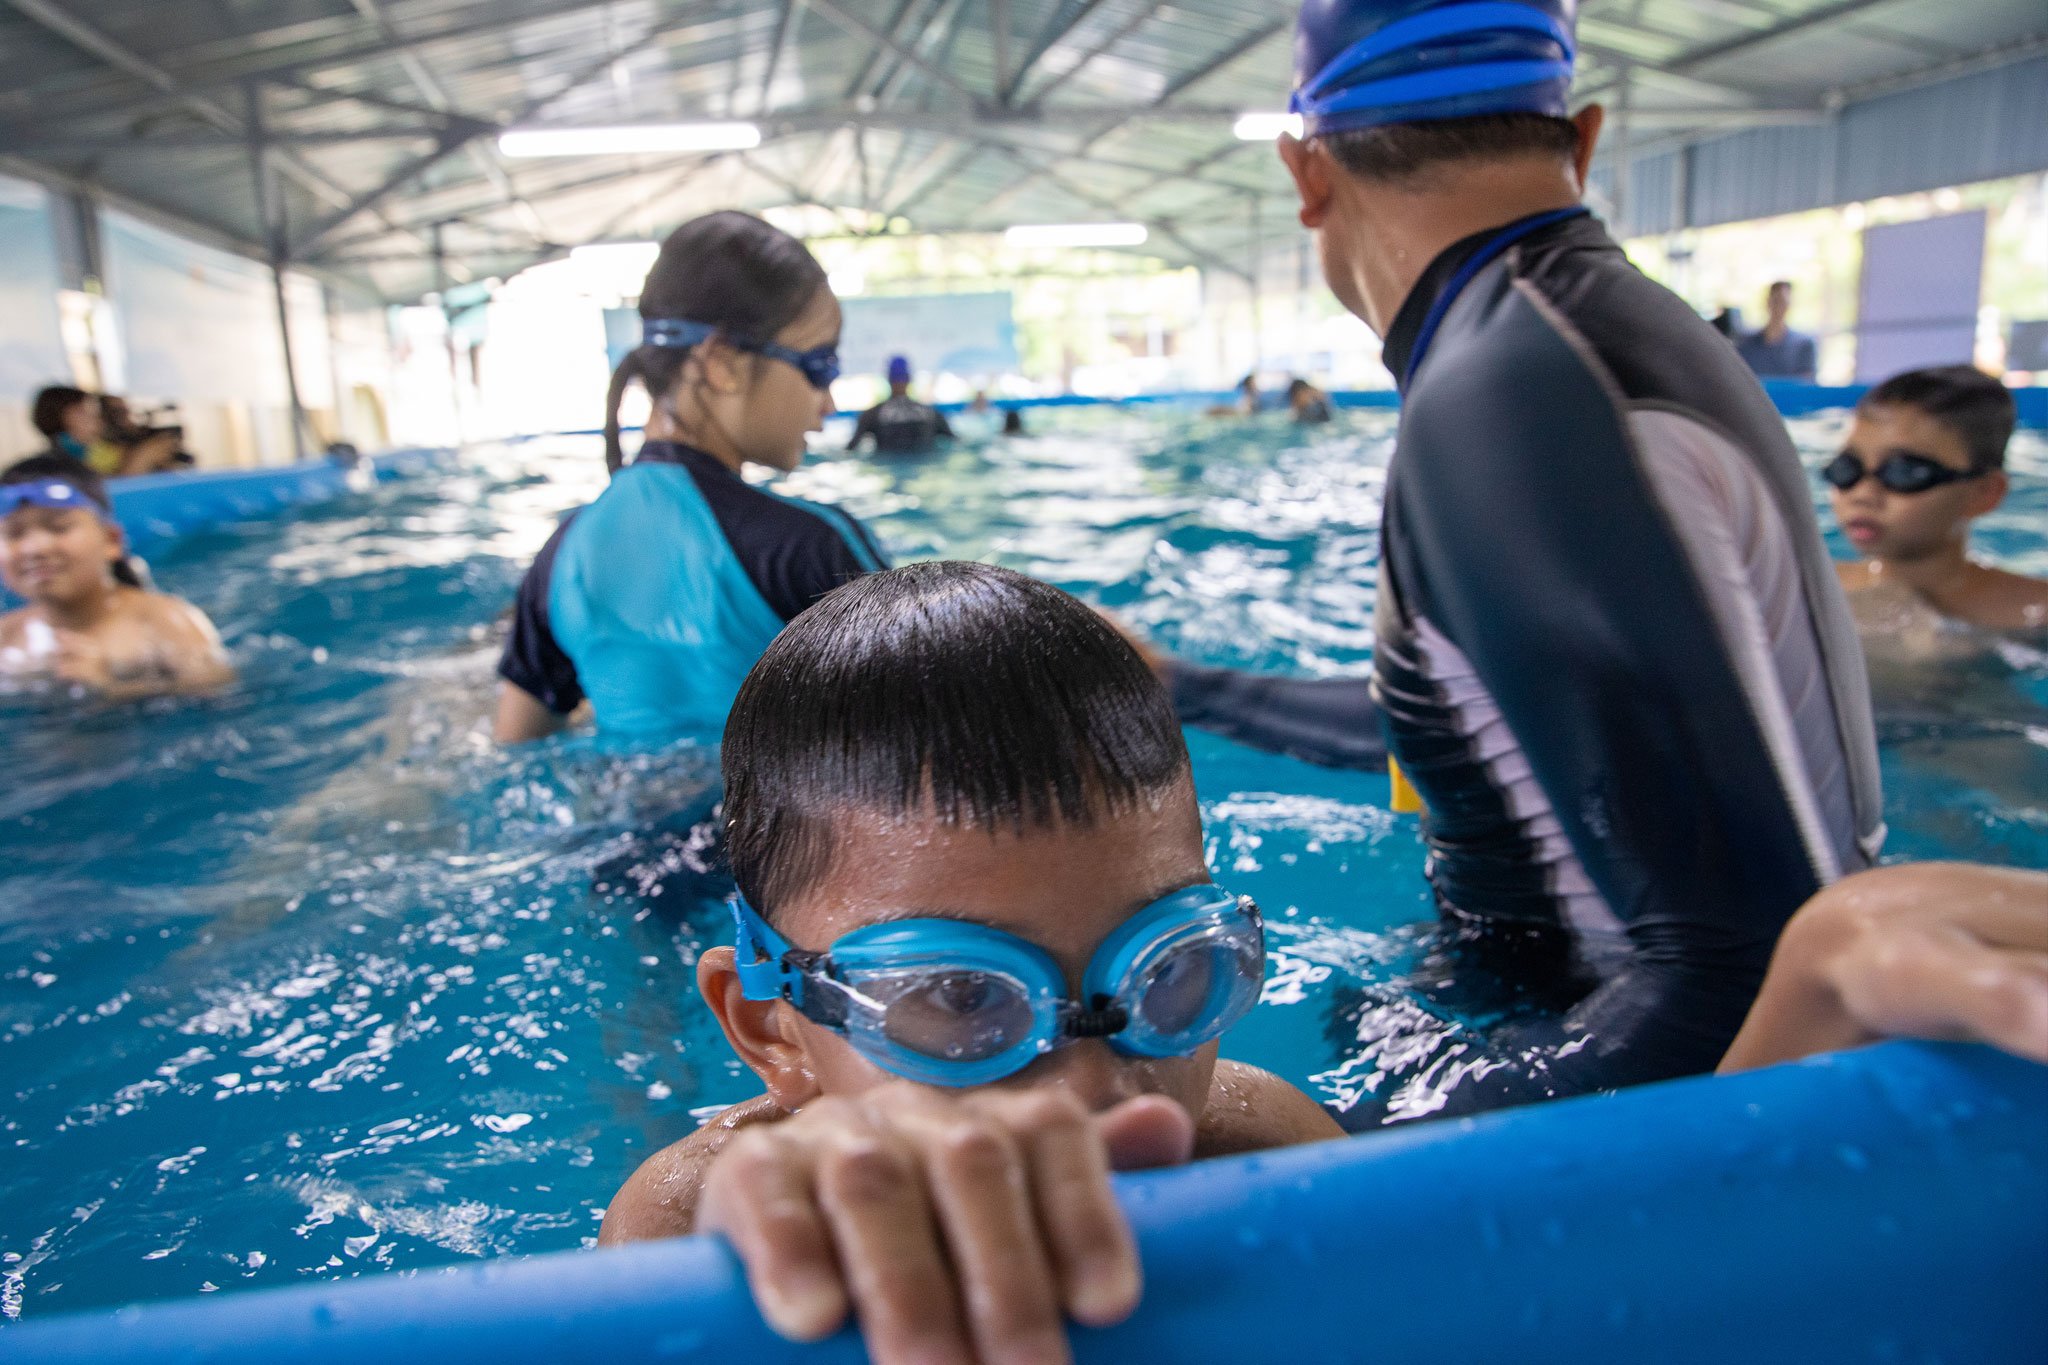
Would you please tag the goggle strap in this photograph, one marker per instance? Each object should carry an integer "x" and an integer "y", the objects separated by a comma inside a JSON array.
[
  {"x": 760, "y": 955},
  {"x": 1103, "y": 1019}
]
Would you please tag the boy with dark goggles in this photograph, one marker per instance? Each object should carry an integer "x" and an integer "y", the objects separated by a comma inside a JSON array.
[
  {"x": 949, "y": 1002},
  {"x": 819, "y": 366},
  {"x": 1899, "y": 472}
]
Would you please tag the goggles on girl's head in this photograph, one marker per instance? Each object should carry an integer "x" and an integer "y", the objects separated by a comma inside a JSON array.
[
  {"x": 820, "y": 365},
  {"x": 51, "y": 493},
  {"x": 1899, "y": 473},
  {"x": 946, "y": 1002}
]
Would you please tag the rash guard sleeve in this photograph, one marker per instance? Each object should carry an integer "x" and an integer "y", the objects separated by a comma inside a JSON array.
[
  {"x": 1524, "y": 532},
  {"x": 1332, "y": 722}
]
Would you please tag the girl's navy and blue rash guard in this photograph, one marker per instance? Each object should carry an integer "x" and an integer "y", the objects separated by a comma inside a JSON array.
[
  {"x": 655, "y": 600},
  {"x": 1613, "y": 658}
]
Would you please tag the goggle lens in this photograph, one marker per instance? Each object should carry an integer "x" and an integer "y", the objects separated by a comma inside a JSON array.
[
  {"x": 1898, "y": 473},
  {"x": 954, "y": 1016},
  {"x": 1195, "y": 990}
]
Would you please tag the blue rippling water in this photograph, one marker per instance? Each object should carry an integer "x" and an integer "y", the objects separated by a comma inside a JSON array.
[{"x": 311, "y": 980}]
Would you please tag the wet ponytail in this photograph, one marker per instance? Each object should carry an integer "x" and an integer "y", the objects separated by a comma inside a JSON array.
[{"x": 729, "y": 271}]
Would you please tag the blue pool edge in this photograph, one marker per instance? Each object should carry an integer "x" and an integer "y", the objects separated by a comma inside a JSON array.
[{"x": 1884, "y": 1204}]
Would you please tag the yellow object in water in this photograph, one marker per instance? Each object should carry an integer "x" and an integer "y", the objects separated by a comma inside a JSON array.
[{"x": 1403, "y": 799}]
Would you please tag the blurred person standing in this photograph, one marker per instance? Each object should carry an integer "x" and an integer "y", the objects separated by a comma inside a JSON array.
[
  {"x": 1776, "y": 351},
  {"x": 899, "y": 424}
]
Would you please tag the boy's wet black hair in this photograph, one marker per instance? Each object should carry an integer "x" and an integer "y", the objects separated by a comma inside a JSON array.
[
  {"x": 1400, "y": 153},
  {"x": 985, "y": 696},
  {"x": 66, "y": 470},
  {"x": 728, "y": 270},
  {"x": 1969, "y": 402}
]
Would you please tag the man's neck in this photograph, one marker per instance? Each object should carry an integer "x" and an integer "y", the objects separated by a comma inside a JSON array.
[
  {"x": 1396, "y": 233},
  {"x": 1774, "y": 332}
]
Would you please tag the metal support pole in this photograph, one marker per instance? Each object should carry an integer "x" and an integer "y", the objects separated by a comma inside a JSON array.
[
  {"x": 448, "y": 326},
  {"x": 1258, "y": 293},
  {"x": 270, "y": 204}
]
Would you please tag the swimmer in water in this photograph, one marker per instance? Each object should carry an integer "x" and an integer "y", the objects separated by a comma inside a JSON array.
[
  {"x": 89, "y": 621},
  {"x": 654, "y": 601},
  {"x": 1924, "y": 458},
  {"x": 958, "y": 802}
]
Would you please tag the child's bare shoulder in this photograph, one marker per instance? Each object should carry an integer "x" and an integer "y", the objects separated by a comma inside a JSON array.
[
  {"x": 1251, "y": 1110},
  {"x": 2008, "y": 601}
]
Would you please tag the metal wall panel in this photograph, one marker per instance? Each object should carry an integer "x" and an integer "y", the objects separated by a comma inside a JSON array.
[
  {"x": 1975, "y": 127},
  {"x": 1761, "y": 172}
]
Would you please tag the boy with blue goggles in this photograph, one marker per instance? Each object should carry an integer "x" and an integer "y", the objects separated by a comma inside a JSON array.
[{"x": 947, "y": 1002}]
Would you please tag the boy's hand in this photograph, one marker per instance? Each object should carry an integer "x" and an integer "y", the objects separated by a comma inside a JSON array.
[
  {"x": 1924, "y": 950},
  {"x": 957, "y": 1228}
]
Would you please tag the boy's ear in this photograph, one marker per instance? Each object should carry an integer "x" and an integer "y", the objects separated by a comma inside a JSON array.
[
  {"x": 760, "y": 1031},
  {"x": 1315, "y": 177},
  {"x": 1986, "y": 492}
]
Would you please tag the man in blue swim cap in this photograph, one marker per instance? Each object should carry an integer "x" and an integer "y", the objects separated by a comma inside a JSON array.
[
  {"x": 1613, "y": 659},
  {"x": 899, "y": 424}
]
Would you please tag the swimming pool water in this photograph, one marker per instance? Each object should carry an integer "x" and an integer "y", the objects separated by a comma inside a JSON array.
[{"x": 310, "y": 979}]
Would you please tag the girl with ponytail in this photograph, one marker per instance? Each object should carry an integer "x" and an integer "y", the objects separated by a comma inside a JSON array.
[{"x": 653, "y": 602}]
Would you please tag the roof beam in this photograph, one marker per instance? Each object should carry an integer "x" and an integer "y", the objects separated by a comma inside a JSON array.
[
  {"x": 1123, "y": 31},
  {"x": 1070, "y": 17},
  {"x": 1231, "y": 52},
  {"x": 292, "y": 61},
  {"x": 452, "y": 143},
  {"x": 853, "y": 23},
  {"x": 124, "y": 59}
]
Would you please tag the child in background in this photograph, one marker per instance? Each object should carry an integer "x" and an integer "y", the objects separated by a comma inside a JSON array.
[
  {"x": 89, "y": 622},
  {"x": 654, "y": 601},
  {"x": 1925, "y": 456}
]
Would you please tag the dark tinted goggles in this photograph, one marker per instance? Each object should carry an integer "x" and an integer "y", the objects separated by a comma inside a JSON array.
[{"x": 1900, "y": 473}]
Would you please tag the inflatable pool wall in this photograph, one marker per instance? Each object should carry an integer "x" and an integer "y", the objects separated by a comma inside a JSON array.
[
  {"x": 156, "y": 508},
  {"x": 1885, "y": 1205}
]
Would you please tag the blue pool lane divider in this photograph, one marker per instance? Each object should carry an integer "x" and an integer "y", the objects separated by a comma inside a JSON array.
[
  {"x": 157, "y": 508},
  {"x": 1883, "y": 1205}
]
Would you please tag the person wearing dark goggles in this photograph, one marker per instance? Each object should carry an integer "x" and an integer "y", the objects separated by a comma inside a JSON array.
[{"x": 1925, "y": 456}]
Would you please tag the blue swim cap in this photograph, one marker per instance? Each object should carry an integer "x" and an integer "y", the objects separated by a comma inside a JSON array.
[
  {"x": 899, "y": 369},
  {"x": 1362, "y": 63}
]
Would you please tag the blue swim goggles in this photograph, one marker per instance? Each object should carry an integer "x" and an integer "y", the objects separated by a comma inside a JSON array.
[
  {"x": 54, "y": 494},
  {"x": 946, "y": 1002},
  {"x": 820, "y": 366}
]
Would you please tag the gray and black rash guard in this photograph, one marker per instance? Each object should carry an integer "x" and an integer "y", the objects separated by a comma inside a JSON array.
[{"x": 1612, "y": 656}]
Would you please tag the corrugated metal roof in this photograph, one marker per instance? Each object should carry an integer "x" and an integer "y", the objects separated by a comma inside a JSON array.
[{"x": 950, "y": 114}]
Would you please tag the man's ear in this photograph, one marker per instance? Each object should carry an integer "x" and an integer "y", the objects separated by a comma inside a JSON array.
[
  {"x": 1986, "y": 492},
  {"x": 1589, "y": 121},
  {"x": 1315, "y": 177},
  {"x": 762, "y": 1032}
]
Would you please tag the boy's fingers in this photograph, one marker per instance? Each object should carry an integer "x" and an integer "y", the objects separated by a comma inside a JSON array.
[
  {"x": 1947, "y": 984},
  {"x": 872, "y": 1193},
  {"x": 761, "y": 1197},
  {"x": 980, "y": 1183},
  {"x": 1145, "y": 1132},
  {"x": 1090, "y": 1242}
]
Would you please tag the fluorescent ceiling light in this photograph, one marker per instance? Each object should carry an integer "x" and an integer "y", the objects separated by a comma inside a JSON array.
[
  {"x": 1266, "y": 127},
  {"x": 645, "y": 137},
  {"x": 1076, "y": 234}
]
